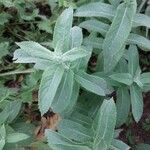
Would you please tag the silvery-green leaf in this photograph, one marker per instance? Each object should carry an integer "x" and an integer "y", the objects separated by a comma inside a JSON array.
[
  {"x": 10, "y": 111},
  {"x": 133, "y": 60},
  {"x": 74, "y": 97},
  {"x": 61, "y": 37},
  {"x": 95, "y": 26},
  {"x": 16, "y": 137},
  {"x": 51, "y": 79},
  {"x": 123, "y": 105},
  {"x": 94, "y": 42},
  {"x": 2, "y": 136},
  {"x": 64, "y": 92},
  {"x": 140, "y": 41},
  {"x": 75, "y": 131},
  {"x": 76, "y": 37},
  {"x": 74, "y": 54},
  {"x": 145, "y": 78},
  {"x": 141, "y": 20},
  {"x": 34, "y": 50},
  {"x": 57, "y": 141},
  {"x": 125, "y": 78},
  {"x": 92, "y": 83},
  {"x": 95, "y": 9},
  {"x": 118, "y": 34},
  {"x": 104, "y": 124},
  {"x": 136, "y": 102},
  {"x": 119, "y": 145}
]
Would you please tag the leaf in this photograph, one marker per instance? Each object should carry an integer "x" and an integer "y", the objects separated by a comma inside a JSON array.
[
  {"x": 94, "y": 42},
  {"x": 16, "y": 137},
  {"x": 141, "y": 20},
  {"x": 140, "y": 41},
  {"x": 57, "y": 141},
  {"x": 123, "y": 105},
  {"x": 125, "y": 78},
  {"x": 98, "y": 9},
  {"x": 119, "y": 145},
  {"x": 45, "y": 25},
  {"x": 61, "y": 37},
  {"x": 33, "y": 50},
  {"x": 64, "y": 92},
  {"x": 142, "y": 146},
  {"x": 95, "y": 26},
  {"x": 145, "y": 78},
  {"x": 4, "y": 18},
  {"x": 75, "y": 131},
  {"x": 2, "y": 136},
  {"x": 117, "y": 35},
  {"x": 51, "y": 79},
  {"x": 3, "y": 49},
  {"x": 74, "y": 54},
  {"x": 73, "y": 99},
  {"x": 76, "y": 37},
  {"x": 95, "y": 9},
  {"x": 10, "y": 111},
  {"x": 104, "y": 124},
  {"x": 133, "y": 60},
  {"x": 92, "y": 83},
  {"x": 136, "y": 102}
]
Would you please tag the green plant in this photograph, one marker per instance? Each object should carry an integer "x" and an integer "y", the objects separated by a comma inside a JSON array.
[{"x": 55, "y": 62}]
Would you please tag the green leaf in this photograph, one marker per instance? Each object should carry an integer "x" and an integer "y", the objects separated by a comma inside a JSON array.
[
  {"x": 75, "y": 131},
  {"x": 145, "y": 78},
  {"x": 104, "y": 124},
  {"x": 133, "y": 60},
  {"x": 136, "y": 102},
  {"x": 95, "y": 26},
  {"x": 51, "y": 79},
  {"x": 45, "y": 25},
  {"x": 125, "y": 78},
  {"x": 16, "y": 137},
  {"x": 92, "y": 83},
  {"x": 64, "y": 92},
  {"x": 76, "y": 37},
  {"x": 74, "y": 54},
  {"x": 117, "y": 35},
  {"x": 2, "y": 136},
  {"x": 61, "y": 37},
  {"x": 33, "y": 50},
  {"x": 96, "y": 9},
  {"x": 142, "y": 146},
  {"x": 4, "y": 18},
  {"x": 140, "y": 41},
  {"x": 57, "y": 141},
  {"x": 10, "y": 111},
  {"x": 3, "y": 49},
  {"x": 123, "y": 105},
  {"x": 141, "y": 20},
  {"x": 94, "y": 42},
  {"x": 119, "y": 145}
]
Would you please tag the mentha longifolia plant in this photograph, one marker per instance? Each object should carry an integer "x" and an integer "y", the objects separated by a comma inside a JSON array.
[{"x": 89, "y": 119}]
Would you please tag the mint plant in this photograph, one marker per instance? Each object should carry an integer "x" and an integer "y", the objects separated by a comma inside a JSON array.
[{"x": 79, "y": 76}]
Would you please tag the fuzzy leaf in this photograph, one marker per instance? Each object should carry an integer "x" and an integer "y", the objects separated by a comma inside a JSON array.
[
  {"x": 125, "y": 78},
  {"x": 92, "y": 83},
  {"x": 123, "y": 105},
  {"x": 118, "y": 34},
  {"x": 136, "y": 102},
  {"x": 61, "y": 37},
  {"x": 104, "y": 124},
  {"x": 51, "y": 79}
]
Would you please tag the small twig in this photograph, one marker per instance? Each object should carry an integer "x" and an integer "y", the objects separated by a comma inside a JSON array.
[{"x": 17, "y": 72}]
